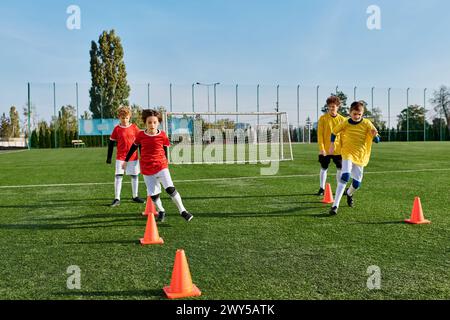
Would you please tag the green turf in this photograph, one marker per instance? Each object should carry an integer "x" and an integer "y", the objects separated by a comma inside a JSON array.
[{"x": 251, "y": 238}]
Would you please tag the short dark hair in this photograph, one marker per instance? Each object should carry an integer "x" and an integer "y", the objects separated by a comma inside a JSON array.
[
  {"x": 151, "y": 113},
  {"x": 357, "y": 105},
  {"x": 335, "y": 100}
]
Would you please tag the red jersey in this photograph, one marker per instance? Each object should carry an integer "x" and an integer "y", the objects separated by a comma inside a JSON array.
[
  {"x": 153, "y": 157},
  {"x": 124, "y": 136}
]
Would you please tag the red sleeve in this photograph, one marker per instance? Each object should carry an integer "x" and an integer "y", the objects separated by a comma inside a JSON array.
[
  {"x": 137, "y": 140},
  {"x": 136, "y": 130},
  {"x": 166, "y": 141},
  {"x": 114, "y": 134}
]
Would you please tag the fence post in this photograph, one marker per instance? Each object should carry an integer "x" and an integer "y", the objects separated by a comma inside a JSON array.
[
  {"x": 78, "y": 120},
  {"x": 424, "y": 115},
  {"x": 389, "y": 114},
  {"x": 407, "y": 114},
  {"x": 298, "y": 113},
  {"x": 29, "y": 117},
  {"x": 54, "y": 111}
]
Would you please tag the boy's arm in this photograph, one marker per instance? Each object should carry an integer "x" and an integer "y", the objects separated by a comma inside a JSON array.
[
  {"x": 130, "y": 153},
  {"x": 320, "y": 130},
  {"x": 110, "y": 151},
  {"x": 335, "y": 132}
]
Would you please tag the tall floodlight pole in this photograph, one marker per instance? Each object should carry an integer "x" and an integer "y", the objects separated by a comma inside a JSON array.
[{"x": 354, "y": 93}]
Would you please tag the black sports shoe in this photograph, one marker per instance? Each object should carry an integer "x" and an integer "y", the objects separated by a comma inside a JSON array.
[
  {"x": 321, "y": 192},
  {"x": 349, "y": 199},
  {"x": 333, "y": 211},
  {"x": 187, "y": 216},
  {"x": 138, "y": 200},
  {"x": 161, "y": 216},
  {"x": 115, "y": 203}
]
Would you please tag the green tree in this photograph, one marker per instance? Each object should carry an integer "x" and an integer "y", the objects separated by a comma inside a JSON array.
[
  {"x": 14, "y": 122},
  {"x": 136, "y": 116},
  {"x": 343, "y": 110},
  {"x": 109, "y": 88},
  {"x": 5, "y": 127},
  {"x": 416, "y": 118},
  {"x": 441, "y": 103}
]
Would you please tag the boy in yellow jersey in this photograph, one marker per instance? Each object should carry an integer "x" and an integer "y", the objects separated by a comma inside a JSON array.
[
  {"x": 325, "y": 126},
  {"x": 356, "y": 135}
]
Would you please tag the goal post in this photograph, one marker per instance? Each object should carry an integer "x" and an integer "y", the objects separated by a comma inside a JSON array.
[{"x": 227, "y": 137}]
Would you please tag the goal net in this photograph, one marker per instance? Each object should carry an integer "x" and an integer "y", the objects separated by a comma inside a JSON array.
[{"x": 229, "y": 137}]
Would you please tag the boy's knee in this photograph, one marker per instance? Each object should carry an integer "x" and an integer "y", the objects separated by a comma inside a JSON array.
[
  {"x": 171, "y": 191},
  {"x": 345, "y": 177},
  {"x": 356, "y": 184},
  {"x": 119, "y": 175},
  {"x": 155, "y": 197}
]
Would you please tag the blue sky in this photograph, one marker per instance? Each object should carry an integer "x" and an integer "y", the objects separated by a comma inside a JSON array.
[{"x": 283, "y": 42}]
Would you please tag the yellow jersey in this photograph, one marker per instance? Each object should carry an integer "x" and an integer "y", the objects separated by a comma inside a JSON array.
[
  {"x": 356, "y": 140},
  {"x": 324, "y": 130}
]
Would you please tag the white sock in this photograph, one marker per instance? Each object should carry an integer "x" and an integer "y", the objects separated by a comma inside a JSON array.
[
  {"x": 177, "y": 200},
  {"x": 351, "y": 190},
  {"x": 135, "y": 185},
  {"x": 339, "y": 193},
  {"x": 117, "y": 187},
  {"x": 323, "y": 178},
  {"x": 159, "y": 205},
  {"x": 338, "y": 176}
]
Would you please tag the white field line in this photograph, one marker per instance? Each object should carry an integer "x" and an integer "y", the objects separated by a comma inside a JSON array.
[
  {"x": 213, "y": 179},
  {"x": 9, "y": 152}
]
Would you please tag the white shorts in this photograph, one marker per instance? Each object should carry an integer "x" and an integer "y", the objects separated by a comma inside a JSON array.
[
  {"x": 356, "y": 172},
  {"x": 154, "y": 182},
  {"x": 133, "y": 168}
]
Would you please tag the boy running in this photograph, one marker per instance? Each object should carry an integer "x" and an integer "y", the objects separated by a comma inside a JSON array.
[
  {"x": 326, "y": 124},
  {"x": 356, "y": 135},
  {"x": 154, "y": 164},
  {"x": 124, "y": 134}
]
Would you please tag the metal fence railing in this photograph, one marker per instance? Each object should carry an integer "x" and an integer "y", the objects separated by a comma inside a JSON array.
[{"x": 303, "y": 105}]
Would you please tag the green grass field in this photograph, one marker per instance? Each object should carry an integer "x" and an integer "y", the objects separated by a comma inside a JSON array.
[{"x": 252, "y": 237}]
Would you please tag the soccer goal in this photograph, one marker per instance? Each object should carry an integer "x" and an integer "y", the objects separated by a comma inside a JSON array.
[{"x": 227, "y": 137}]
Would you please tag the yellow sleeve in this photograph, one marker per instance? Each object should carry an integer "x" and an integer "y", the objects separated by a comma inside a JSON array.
[
  {"x": 339, "y": 128},
  {"x": 320, "y": 130}
]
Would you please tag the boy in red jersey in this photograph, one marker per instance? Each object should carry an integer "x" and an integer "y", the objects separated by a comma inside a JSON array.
[
  {"x": 154, "y": 164},
  {"x": 124, "y": 134}
]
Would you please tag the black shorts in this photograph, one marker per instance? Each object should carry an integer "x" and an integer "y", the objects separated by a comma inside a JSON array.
[{"x": 325, "y": 161}]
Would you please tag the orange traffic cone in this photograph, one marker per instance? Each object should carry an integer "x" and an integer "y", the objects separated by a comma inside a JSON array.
[
  {"x": 151, "y": 235},
  {"x": 149, "y": 207},
  {"x": 328, "y": 197},
  {"x": 417, "y": 214},
  {"x": 181, "y": 285}
]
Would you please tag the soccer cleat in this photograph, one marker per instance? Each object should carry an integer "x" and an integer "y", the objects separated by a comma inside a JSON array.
[
  {"x": 349, "y": 199},
  {"x": 333, "y": 211},
  {"x": 161, "y": 216},
  {"x": 115, "y": 203},
  {"x": 138, "y": 200},
  {"x": 321, "y": 192},
  {"x": 187, "y": 216}
]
